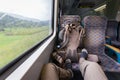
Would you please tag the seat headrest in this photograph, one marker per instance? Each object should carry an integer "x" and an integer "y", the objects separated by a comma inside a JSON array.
[
  {"x": 70, "y": 19},
  {"x": 95, "y": 21}
]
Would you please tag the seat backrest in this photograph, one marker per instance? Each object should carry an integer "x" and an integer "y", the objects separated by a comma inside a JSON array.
[
  {"x": 95, "y": 40},
  {"x": 111, "y": 30},
  {"x": 65, "y": 20},
  {"x": 68, "y": 19},
  {"x": 71, "y": 35},
  {"x": 95, "y": 27}
]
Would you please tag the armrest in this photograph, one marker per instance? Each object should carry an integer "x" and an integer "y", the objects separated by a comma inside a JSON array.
[{"x": 112, "y": 48}]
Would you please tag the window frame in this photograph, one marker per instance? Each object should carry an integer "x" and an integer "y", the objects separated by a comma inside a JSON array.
[{"x": 30, "y": 51}]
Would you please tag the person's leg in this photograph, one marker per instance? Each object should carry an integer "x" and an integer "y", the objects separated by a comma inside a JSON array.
[
  {"x": 52, "y": 72},
  {"x": 91, "y": 70}
]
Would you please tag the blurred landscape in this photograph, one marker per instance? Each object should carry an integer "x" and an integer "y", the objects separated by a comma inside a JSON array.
[{"x": 18, "y": 34}]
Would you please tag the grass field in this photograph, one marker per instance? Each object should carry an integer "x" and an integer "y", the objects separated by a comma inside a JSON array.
[{"x": 14, "y": 41}]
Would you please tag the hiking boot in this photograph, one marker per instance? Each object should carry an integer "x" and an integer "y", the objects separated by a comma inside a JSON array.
[
  {"x": 84, "y": 54},
  {"x": 68, "y": 66},
  {"x": 57, "y": 57}
]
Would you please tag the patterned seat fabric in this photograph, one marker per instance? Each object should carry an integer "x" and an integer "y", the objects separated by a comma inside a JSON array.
[
  {"x": 95, "y": 39},
  {"x": 95, "y": 27},
  {"x": 111, "y": 31},
  {"x": 68, "y": 19}
]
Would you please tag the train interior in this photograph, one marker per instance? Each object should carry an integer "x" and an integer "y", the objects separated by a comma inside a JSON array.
[
  {"x": 29, "y": 67},
  {"x": 100, "y": 8}
]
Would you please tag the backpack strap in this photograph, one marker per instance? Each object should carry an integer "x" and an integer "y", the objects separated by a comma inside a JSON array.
[
  {"x": 82, "y": 35},
  {"x": 65, "y": 36}
]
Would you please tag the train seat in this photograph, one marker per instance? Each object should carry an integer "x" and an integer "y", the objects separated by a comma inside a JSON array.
[
  {"x": 66, "y": 19},
  {"x": 70, "y": 35},
  {"x": 94, "y": 41},
  {"x": 112, "y": 48},
  {"x": 112, "y": 33}
]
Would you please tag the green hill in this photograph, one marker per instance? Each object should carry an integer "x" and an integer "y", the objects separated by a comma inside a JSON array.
[{"x": 8, "y": 20}]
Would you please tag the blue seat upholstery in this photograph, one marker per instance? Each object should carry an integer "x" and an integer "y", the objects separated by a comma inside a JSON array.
[{"x": 95, "y": 41}]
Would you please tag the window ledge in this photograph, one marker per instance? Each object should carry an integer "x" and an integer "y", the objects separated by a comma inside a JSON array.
[{"x": 25, "y": 66}]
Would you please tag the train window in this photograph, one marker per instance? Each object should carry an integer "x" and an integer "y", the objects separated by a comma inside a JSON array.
[{"x": 23, "y": 23}]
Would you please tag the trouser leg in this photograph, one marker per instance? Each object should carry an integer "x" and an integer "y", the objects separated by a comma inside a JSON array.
[
  {"x": 91, "y": 70},
  {"x": 52, "y": 72}
]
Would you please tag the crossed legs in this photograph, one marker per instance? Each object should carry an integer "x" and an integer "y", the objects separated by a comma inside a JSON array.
[
  {"x": 52, "y": 72},
  {"x": 90, "y": 71}
]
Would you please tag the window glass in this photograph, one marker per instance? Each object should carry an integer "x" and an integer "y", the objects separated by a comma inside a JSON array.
[{"x": 23, "y": 23}]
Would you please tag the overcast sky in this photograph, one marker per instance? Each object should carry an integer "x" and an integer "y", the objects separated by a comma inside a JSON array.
[{"x": 39, "y": 9}]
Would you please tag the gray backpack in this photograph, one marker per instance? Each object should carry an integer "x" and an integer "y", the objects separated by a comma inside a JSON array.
[{"x": 70, "y": 36}]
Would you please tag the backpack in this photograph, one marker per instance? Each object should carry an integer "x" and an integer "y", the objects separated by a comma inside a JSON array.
[{"x": 70, "y": 37}]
